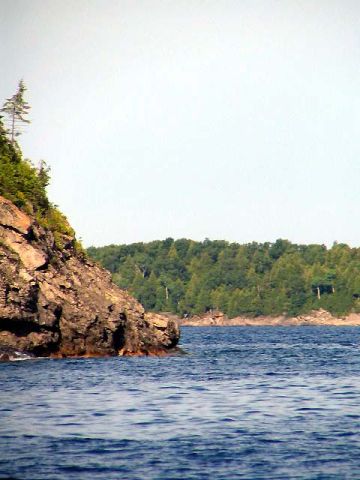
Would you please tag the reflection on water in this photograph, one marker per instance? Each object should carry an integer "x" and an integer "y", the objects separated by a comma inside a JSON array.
[{"x": 246, "y": 402}]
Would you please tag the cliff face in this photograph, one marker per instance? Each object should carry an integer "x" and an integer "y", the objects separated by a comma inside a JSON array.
[{"x": 56, "y": 302}]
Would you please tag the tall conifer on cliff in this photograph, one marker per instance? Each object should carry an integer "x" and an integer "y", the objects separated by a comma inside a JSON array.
[{"x": 15, "y": 109}]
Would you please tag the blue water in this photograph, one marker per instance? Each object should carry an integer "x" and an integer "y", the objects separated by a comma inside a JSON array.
[{"x": 246, "y": 402}]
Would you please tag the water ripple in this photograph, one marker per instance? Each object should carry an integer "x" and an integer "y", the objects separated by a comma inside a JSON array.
[{"x": 246, "y": 403}]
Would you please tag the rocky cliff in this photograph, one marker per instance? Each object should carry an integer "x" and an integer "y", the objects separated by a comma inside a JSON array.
[{"x": 56, "y": 302}]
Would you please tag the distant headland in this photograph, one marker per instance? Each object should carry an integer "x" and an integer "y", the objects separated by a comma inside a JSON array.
[{"x": 254, "y": 281}]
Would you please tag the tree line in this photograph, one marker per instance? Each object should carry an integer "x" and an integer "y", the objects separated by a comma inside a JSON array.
[{"x": 188, "y": 277}]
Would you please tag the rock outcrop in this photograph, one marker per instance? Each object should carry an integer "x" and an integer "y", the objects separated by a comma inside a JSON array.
[
  {"x": 316, "y": 317},
  {"x": 56, "y": 302}
]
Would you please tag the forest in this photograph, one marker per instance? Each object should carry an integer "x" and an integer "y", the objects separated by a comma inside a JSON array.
[{"x": 187, "y": 277}]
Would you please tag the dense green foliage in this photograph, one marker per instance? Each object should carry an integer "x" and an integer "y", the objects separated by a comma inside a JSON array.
[
  {"x": 25, "y": 185},
  {"x": 184, "y": 276}
]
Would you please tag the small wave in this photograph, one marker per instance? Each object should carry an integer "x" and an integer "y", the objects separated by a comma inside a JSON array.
[{"x": 10, "y": 355}]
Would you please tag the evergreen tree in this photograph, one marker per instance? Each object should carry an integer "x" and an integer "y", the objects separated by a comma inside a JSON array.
[{"x": 16, "y": 108}]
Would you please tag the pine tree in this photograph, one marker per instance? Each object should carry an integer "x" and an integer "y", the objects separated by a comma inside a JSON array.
[{"x": 16, "y": 108}]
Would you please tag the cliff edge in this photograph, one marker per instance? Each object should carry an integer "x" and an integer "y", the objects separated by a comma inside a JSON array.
[{"x": 57, "y": 302}]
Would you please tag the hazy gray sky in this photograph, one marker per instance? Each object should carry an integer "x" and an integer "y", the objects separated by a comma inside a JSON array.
[{"x": 234, "y": 120}]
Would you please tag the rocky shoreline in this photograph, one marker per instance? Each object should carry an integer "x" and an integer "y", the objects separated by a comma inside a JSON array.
[
  {"x": 314, "y": 318},
  {"x": 56, "y": 302}
]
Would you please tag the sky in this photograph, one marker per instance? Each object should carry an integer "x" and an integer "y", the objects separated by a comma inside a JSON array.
[{"x": 235, "y": 120}]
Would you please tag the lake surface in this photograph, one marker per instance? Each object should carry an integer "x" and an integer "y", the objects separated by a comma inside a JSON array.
[{"x": 245, "y": 403}]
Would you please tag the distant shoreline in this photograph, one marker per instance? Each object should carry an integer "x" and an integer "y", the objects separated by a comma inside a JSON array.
[{"x": 314, "y": 318}]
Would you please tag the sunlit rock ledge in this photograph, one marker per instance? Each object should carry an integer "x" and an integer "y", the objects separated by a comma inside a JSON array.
[
  {"x": 316, "y": 317},
  {"x": 56, "y": 302}
]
